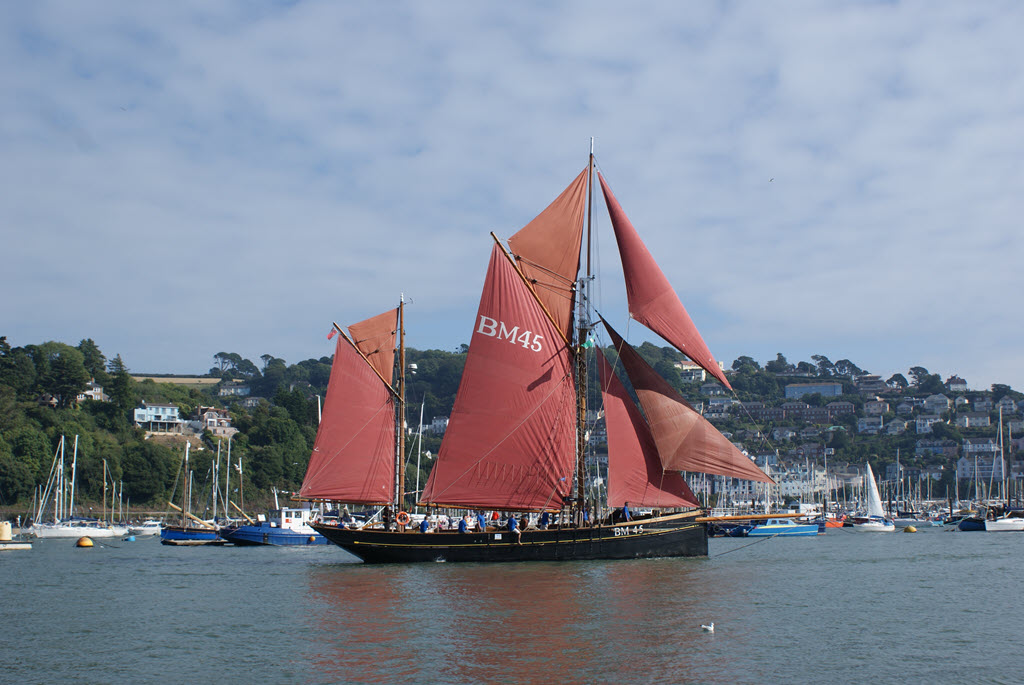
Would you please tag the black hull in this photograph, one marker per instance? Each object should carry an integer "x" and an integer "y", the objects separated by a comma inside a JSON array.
[{"x": 667, "y": 536}]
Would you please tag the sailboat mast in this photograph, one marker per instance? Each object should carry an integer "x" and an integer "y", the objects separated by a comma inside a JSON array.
[
  {"x": 581, "y": 352},
  {"x": 400, "y": 452}
]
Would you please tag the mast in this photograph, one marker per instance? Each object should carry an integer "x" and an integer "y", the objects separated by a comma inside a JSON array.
[
  {"x": 581, "y": 352},
  {"x": 400, "y": 452},
  {"x": 74, "y": 475}
]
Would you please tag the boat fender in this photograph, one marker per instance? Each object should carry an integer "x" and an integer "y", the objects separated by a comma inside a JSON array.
[{"x": 403, "y": 518}]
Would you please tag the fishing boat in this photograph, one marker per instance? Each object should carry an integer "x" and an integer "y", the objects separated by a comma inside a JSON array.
[
  {"x": 875, "y": 521},
  {"x": 517, "y": 439},
  {"x": 282, "y": 526}
]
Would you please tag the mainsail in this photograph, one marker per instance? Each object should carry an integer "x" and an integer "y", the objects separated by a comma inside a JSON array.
[
  {"x": 353, "y": 457},
  {"x": 510, "y": 441},
  {"x": 874, "y": 500},
  {"x": 686, "y": 440},
  {"x": 635, "y": 473},
  {"x": 652, "y": 301}
]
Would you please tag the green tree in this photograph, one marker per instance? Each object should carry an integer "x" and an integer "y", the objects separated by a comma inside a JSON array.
[
  {"x": 65, "y": 375},
  {"x": 121, "y": 394},
  {"x": 778, "y": 365},
  {"x": 93, "y": 360},
  {"x": 844, "y": 367},
  {"x": 825, "y": 367},
  {"x": 897, "y": 382},
  {"x": 745, "y": 362}
]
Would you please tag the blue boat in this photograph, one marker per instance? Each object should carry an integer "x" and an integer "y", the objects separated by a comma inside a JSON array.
[
  {"x": 283, "y": 527},
  {"x": 189, "y": 535},
  {"x": 782, "y": 527}
]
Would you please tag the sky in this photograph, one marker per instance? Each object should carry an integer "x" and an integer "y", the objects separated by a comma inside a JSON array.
[{"x": 836, "y": 178}]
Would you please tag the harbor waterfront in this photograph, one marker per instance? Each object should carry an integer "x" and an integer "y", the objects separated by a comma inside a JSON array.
[{"x": 930, "y": 607}]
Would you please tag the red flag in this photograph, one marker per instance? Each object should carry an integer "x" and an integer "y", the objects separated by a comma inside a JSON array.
[{"x": 331, "y": 334}]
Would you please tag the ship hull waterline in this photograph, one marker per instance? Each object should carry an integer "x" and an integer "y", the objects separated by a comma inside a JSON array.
[{"x": 672, "y": 536}]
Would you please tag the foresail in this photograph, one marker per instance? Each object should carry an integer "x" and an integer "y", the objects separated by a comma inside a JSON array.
[
  {"x": 652, "y": 301},
  {"x": 353, "y": 457},
  {"x": 510, "y": 441},
  {"x": 635, "y": 474},
  {"x": 686, "y": 440},
  {"x": 548, "y": 250}
]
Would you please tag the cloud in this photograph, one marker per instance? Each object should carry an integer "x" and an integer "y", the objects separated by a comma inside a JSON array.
[{"x": 834, "y": 178}]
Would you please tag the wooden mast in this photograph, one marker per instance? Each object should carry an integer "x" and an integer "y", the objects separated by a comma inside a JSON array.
[
  {"x": 581, "y": 352},
  {"x": 400, "y": 452}
]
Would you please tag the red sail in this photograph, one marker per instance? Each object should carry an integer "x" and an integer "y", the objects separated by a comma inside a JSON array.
[
  {"x": 652, "y": 301},
  {"x": 635, "y": 474},
  {"x": 685, "y": 439},
  {"x": 510, "y": 441},
  {"x": 548, "y": 249},
  {"x": 353, "y": 458}
]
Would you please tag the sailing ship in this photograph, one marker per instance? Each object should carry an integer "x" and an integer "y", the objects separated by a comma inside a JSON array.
[
  {"x": 517, "y": 438},
  {"x": 875, "y": 521}
]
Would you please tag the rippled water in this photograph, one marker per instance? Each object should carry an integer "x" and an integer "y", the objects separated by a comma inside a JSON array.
[{"x": 934, "y": 607}]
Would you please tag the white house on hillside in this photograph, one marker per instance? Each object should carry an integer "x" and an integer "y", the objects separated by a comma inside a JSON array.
[{"x": 158, "y": 418}]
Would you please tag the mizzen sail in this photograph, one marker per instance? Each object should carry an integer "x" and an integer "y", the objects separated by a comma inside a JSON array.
[
  {"x": 652, "y": 301},
  {"x": 510, "y": 441},
  {"x": 353, "y": 457},
  {"x": 686, "y": 440},
  {"x": 635, "y": 473}
]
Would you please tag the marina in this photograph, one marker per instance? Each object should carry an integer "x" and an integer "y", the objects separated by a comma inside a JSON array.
[{"x": 784, "y": 610}]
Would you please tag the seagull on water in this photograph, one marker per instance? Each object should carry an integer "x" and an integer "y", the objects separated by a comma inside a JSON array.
[{"x": 709, "y": 628}]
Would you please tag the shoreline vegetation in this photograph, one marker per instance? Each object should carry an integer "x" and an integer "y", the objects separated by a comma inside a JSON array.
[{"x": 54, "y": 389}]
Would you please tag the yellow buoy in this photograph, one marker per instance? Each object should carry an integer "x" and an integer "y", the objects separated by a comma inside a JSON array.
[
  {"x": 311, "y": 540},
  {"x": 910, "y": 529},
  {"x": 84, "y": 541}
]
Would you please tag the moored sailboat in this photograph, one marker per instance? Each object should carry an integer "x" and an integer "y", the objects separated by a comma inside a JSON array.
[
  {"x": 190, "y": 530},
  {"x": 875, "y": 521},
  {"x": 517, "y": 436}
]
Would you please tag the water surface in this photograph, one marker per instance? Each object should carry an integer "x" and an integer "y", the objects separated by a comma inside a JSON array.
[{"x": 932, "y": 607}]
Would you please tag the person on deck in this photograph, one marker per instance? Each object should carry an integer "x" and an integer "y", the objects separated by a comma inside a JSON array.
[
  {"x": 513, "y": 527},
  {"x": 424, "y": 525},
  {"x": 545, "y": 519},
  {"x": 481, "y": 521},
  {"x": 387, "y": 517},
  {"x": 463, "y": 524},
  {"x": 625, "y": 512}
]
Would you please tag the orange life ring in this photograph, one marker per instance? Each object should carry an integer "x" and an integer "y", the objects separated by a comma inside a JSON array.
[{"x": 402, "y": 518}]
